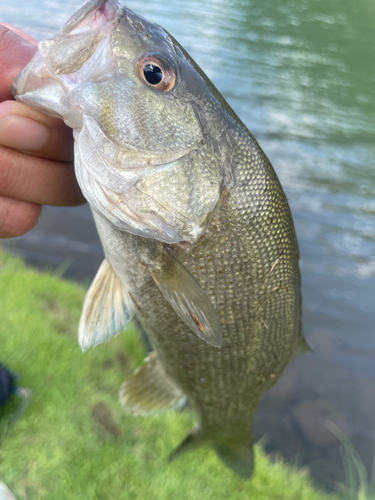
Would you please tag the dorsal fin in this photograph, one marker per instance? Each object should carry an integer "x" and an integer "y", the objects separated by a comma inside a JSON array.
[
  {"x": 149, "y": 390},
  {"x": 106, "y": 310},
  {"x": 301, "y": 346},
  {"x": 188, "y": 299}
]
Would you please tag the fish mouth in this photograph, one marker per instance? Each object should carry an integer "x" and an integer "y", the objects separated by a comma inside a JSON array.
[{"x": 66, "y": 60}]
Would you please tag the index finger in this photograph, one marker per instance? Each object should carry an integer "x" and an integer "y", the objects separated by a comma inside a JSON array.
[{"x": 16, "y": 50}]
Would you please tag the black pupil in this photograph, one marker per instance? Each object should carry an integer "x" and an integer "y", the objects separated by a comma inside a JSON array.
[{"x": 153, "y": 74}]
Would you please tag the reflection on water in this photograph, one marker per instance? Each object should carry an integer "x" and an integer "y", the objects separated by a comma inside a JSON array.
[{"x": 301, "y": 75}]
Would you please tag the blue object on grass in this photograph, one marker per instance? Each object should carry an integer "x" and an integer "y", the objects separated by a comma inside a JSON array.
[
  {"x": 7, "y": 385},
  {"x": 8, "y": 388}
]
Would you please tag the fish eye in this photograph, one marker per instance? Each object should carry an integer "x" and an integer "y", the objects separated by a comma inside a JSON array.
[{"x": 157, "y": 72}]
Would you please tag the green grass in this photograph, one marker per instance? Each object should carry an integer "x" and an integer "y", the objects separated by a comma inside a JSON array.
[{"x": 74, "y": 441}]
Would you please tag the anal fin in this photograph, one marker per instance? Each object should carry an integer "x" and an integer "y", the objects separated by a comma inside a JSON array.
[
  {"x": 149, "y": 390},
  {"x": 106, "y": 310}
]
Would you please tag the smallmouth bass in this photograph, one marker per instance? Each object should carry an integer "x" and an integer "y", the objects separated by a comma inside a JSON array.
[{"x": 198, "y": 237}]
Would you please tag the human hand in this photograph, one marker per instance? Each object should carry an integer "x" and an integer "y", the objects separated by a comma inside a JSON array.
[{"x": 36, "y": 150}]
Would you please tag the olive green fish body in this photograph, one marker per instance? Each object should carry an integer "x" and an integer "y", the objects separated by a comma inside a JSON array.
[{"x": 247, "y": 262}]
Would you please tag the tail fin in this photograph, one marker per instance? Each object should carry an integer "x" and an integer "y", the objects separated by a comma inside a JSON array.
[{"x": 236, "y": 455}]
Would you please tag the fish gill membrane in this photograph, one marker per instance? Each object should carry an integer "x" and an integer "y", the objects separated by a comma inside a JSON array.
[{"x": 198, "y": 237}]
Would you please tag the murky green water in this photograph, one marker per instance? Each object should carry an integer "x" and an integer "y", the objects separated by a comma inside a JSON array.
[{"x": 301, "y": 75}]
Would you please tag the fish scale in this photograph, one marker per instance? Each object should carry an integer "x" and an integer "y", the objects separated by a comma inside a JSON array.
[{"x": 230, "y": 356}]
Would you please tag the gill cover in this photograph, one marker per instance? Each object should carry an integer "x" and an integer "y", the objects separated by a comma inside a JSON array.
[{"x": 145, "y": 156}]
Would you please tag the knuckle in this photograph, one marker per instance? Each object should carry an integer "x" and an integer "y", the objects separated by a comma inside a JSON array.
[
  {"x": 13, "y": 174},
  {"x": 6, "y": 170}
]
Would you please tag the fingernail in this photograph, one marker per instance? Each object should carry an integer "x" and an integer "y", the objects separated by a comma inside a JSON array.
[{"x": 20, "y": 132}]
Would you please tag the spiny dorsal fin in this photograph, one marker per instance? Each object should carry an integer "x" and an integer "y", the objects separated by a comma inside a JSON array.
[
  {"x": 149, "y": 390},
  {"x": 188, "y": 299},
  {"x": 106, "y": 310}
]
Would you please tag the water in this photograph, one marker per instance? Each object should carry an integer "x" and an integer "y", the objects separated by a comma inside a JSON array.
[{"x": 301, "y": 76}]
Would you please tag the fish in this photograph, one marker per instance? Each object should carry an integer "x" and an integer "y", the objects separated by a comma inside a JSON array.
[{"x": 199, "y": 242}]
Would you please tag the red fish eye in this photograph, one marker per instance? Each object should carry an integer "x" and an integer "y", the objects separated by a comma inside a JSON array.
[{"x": 157, "y": 72}]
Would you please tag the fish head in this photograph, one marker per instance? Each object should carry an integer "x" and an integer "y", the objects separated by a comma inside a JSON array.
[
  {"x": 67, "y": 61},
  {"x": 151, "y": 131}
]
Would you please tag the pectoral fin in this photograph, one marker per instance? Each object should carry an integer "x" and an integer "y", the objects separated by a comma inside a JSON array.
[
  {"x": 150, "y": 390},
  {"x": 106, "y": 309},
  {"x": 188, "y": 299}
]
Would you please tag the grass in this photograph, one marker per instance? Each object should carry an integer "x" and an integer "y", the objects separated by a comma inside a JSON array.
[
  {"x": 74, "y": 441},
  {"x": 357, "y": 483}
]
